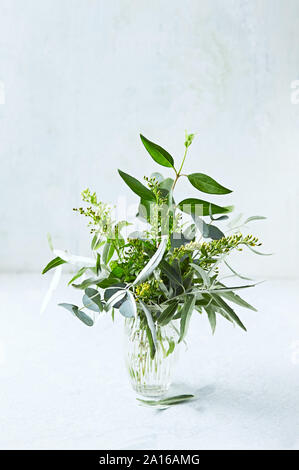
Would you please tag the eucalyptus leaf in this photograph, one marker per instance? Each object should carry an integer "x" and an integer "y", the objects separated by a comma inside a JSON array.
[
  {"x": 215, "y": 233},
  {"x": 137, "y": 187},
  {"x": 207, "y": 184},
  {"x": 115, "y": 298},
  {"x": 128, "y": 307},
  {"x": 91, "y": 281},
  {"x": 78, "y": 313},
  {"x": 92, "y": 300},
  {"x": 157, "y": 153}
]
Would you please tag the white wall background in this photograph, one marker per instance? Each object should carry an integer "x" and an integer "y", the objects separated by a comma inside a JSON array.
[{"x": 83, "y": 77}]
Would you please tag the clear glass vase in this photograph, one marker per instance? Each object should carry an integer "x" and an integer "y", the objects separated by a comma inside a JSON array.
[{"x": 150, "y": 377}]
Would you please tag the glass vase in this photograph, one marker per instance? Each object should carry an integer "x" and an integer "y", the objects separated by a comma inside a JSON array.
[{"x": 150, "y": 377}]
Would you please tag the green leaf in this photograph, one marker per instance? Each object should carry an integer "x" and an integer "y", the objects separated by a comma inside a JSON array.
[
  {"x": 194, "y": 206},
  {"x": 108, "y": 282},
  {"x": 258, "y": 252},
  {"x": 203, "y": 274},
  {"x": 108, "y": 252},
  {"x": 237, "y": 274},
  {"x": 152, "y": 263},
  {"x": 158, "y": 154},
  {"x": 53, "y": 264},
  {"x": 186, "y": 313},
  {"x": 167, "y": 314},
  {"x": 171, "y": 273},
  {"x": 92, "y": 300},
  {"x": 137, "y": 187},
  {"x": 211, "y": 312},
  {"x": 91, "y": 281},
  {"x": 228, "y": 310},
  {"x": 171, "y": 347},
  {"x": 77, "y": 275},
  {"x": 78, "y": 313},
  {"x": 128, "y": 307},
  {"x": 166, "y": 184},
  {"x": 151, "y": 327},
  {"x": 207, "y": 184},
  {"x": 165, "y": 402},
  {"x": 254, "y": 217},
  {"x": 214, "y": 233},
  {"x": 178, "y": 239},
  {"x": 96, "y": 242},
  {"x": 232, "y": 297},
  {"x": 98, "y": 263}
]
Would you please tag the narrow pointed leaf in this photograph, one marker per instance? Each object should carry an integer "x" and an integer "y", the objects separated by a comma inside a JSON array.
[
  {"x": 53, "y": 264},
  {"x": 167, "y": 314},
  {"x": 254, "y": 217},
  {"x": 137, "y": 187},
  {"x": 211, "y": 312},
  {"x": 157, "y": 153},
  {"x": 186, "y": 313},
  {"x": 203, "y": 274},
  {"x": 237, "y": 274},
  {"x": 77, "y": 275},
  {"x": 228, "y": 310},
  {"x": 150, "y": 323}
]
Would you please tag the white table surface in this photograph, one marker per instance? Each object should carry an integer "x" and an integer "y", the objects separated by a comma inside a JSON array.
[{"x": 64, "y": 385}]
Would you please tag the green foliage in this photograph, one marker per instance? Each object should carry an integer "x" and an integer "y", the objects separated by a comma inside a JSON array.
[
  {"x": 53, "y": 264},
  {"x": 173, "y": 267}
]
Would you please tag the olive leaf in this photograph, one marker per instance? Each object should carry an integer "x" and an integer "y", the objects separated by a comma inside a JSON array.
[
  {"x": 186, "y": 313},
  {"x": 166, "y": 402},
  {"x": 153, "y": 263}
]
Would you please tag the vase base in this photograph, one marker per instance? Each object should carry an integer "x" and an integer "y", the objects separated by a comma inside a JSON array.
[{"x": 150, "y": 390}]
